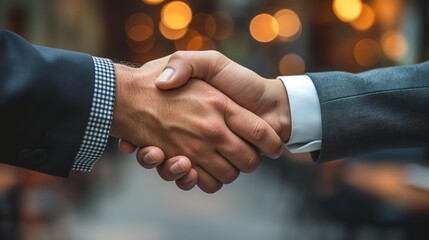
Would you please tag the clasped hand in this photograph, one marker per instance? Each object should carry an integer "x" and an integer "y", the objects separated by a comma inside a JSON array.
[{"x": 199, "y": 118}]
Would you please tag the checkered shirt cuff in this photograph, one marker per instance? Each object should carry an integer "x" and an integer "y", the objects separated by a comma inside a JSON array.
[{"x": 100, "y": 119}]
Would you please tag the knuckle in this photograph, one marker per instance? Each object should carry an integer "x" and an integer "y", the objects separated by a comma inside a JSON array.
[
  {"x": 259, "y": 131},
  {"x": 178, "y": 55},
  {"x": 213, "y": 129},
  {"x": 251, "y": 164},
  {"x": 218, "y": 101}
]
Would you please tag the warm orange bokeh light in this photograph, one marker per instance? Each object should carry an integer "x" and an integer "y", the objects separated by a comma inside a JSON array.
[
  {"x": 387, "y": 11},
  {"x": 289, "y": 24},
  {"x": 367, "y": 52},
  {"x": 176, "y": 15},
  {"x": 291, "y": 64},
  {"x": 171, "y": 34},
  {"x": 142, "y": 47},
  {"x": 153, "y": 2},
  {"x": 139, "y": 27},
  {"x": 264, "y": 28},
  {"x": 183, "y": 43},
  {"x": 347, "y": 10},
  {"x": 365, "y": 20},
  {"x": 394, "y": 45}
]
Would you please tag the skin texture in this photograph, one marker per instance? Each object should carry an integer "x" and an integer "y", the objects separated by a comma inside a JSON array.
[
  {"x": 196, "y": 120},
  {"x": 266, "y": 98}
]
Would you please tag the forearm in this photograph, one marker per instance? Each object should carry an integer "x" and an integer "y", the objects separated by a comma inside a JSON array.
[
  {"x": 45, "y": 103},
  {"x": 380, "y": 109}
]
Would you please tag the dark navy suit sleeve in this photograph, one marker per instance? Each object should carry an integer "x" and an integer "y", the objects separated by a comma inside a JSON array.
[
  {"x": 45, "y": 102},
  {"x": 380, "y": 109}
]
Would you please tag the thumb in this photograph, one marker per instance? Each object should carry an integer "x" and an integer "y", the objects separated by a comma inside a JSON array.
[{"x": 185, "y": 65}]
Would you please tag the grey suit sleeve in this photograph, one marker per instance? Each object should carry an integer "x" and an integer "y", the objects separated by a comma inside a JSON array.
[{"x": 380, "y": 109}]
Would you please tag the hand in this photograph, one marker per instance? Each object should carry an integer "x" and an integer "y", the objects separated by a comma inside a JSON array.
[
  {"x": 196, "y": 121},
  {"x": 266, "y": 98}
]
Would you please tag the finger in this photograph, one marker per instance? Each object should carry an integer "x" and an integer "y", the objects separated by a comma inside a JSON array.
[
  {"x": 183, "y": 65},
  {"x": 188, "y": 181},
  {"x": 174, "y": 168},
  {"x": 220, "y": 168},
  {"x": 253, "y": 129},
  {"x": 126, "y": 147},
  {"x": 239, "y": 153},
  {"x": 207, "y": 182},
  {"x": 150, "y": 157}
]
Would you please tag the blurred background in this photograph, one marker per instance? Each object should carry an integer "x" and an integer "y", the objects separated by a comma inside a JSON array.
[{"x": 383, "y": 195}]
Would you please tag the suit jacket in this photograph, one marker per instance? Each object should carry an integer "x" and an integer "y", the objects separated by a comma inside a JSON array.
[
  {"x": 380, "y": 109},
  {"x": 45, "y": 101}
]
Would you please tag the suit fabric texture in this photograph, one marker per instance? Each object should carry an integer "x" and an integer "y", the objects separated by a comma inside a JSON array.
[
  {"x": 380, "y": 109},
  {"x": 45, "y": 101}
]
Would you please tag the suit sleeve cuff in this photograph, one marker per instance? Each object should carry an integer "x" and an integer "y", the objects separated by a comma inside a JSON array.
[
  {"x": 100, "y": 119},
  {"x": 306, "y": 129}
]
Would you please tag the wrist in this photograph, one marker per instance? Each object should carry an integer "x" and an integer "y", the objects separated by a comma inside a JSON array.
[
  {"x": 123, "y": 76},
  {"x": 278, "y": 93}
]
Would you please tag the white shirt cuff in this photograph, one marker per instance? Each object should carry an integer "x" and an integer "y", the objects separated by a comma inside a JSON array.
[{"x": 306, "y": 118}]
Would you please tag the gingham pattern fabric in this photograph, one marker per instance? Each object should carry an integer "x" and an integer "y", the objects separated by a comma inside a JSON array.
[{"x": 100, "y": 119}]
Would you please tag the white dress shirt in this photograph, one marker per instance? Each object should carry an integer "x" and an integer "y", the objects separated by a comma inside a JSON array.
[{"x": 306, "y": 118}]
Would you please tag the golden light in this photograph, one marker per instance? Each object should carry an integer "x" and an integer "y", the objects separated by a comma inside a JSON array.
[
  {"x": 387, "y": 11},
  {"x": 191, "y": 35},
  {"x": 139, "y": 27},
  {"x": 367, "y": 52},
  {"x": 347, "y": 10},
  {"x": 171, "y": 34},
  {"x": 153, "y": 2},
  {"x": 365, "y": 20},
  {"x": 176, "y": 15},
  {"x": 289, "y": 24},
  {"x": 264, "y": 28},
  {"x": 210, "y": 26},
  {"x": 195, "y": 43},
  {"x": 291, "y": 64},
  {"x": 219, "y": 26},
  {"x": 394, "y": 44},
  {"x": 142, "y": 47}
]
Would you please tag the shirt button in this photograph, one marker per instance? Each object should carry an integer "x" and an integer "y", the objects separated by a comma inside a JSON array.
[{"x": 26, "y": 155}]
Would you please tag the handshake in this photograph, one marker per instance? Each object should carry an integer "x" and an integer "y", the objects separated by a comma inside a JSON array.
[{"x": 199, "y": 118}]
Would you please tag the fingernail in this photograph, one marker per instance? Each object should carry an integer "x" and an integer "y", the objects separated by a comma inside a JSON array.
[
  {"x": 279, "y": 154},
  {"x": 186, "y": 179},
  {"x": 148, "y": 160},
  {"x": 165, "y": 75},
  {"x": 176, "y": 168}
]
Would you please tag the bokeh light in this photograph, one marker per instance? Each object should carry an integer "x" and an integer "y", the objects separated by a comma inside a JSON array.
[
  {"x": 176, "y": 15},
  {"x": 171, "y": 34},
  {"x": 142, "y": 47},
  {"x": 153, "y": 2},
  {"x": 367, "y": 52},
  {"x": 264, "y": 28},
  {"x": 388, "y": 11},
  {"x": 191, "y": 35},
  {"x": 347, "y": 10},
  {"x": 394, "y": 44},
  {"x": 291, "y": 64},
  {"x": 139, "y": 27},
  {"x": 219, "y": 26},
  {"x": 289, "y": 24},
  {"x": 199, "y": 43},
  {"x": 365, "y": 20}
]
